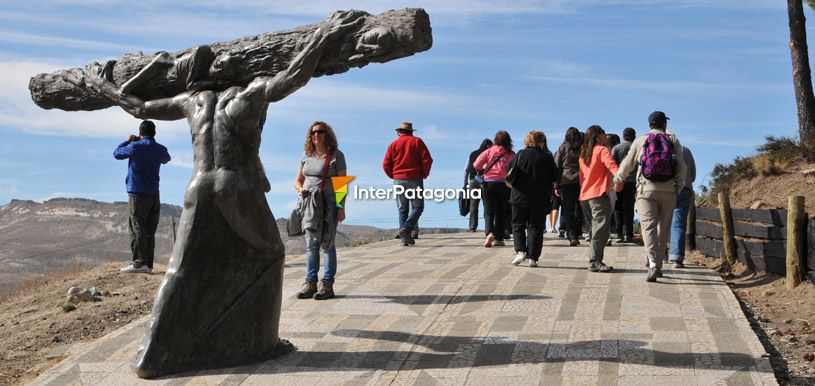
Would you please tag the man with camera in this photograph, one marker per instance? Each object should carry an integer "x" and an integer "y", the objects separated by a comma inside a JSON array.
[{"x": 145, "y": 156}]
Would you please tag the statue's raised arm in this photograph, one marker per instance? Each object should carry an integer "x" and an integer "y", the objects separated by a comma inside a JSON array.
[
  {"x": 301, "y": 68},
  {"x": 92, "y": 78}
]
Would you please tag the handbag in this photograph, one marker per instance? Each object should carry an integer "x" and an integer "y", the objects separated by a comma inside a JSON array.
[
  {"x": 479, "y": 177},
  {"x": 513, "y": 170},
  {"x": 463, "y": 202}
]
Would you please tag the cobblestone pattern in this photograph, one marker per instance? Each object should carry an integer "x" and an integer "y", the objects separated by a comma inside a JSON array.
[{"x": 450, "y": 312}]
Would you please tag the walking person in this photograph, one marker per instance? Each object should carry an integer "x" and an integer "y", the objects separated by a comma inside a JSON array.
[
  {"x": 494, "y": 190},
  {"x": 680, "y": 215},
  {"x": 624, "y": 208},
  {"x": 469, "y": 181},
  {"x": 660, "y": 176},
  {"x": 144, "y": 159},
  {"x": 321, "y": 160},
  {"x": 531, "y": 197},
  {"x": 568, "y": 184},
  {"x": 596, "y": 169},
  {"x": 408, "y": 162},
  {"x": 553, "y": 215}
]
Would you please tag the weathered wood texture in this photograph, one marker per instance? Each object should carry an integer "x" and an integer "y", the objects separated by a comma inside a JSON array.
[
  {"x": 690, "y": 227},
  {"x": 759, "y": 236},
  {"x": 727, "y": 228},
  {"x": 796, "y": 226},
  {"x": 745, "y": 252},
  {"x": 259, "y": 55}
]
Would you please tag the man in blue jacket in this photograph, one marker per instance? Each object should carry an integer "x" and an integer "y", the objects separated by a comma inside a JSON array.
[{"x": 145, "y": 157}]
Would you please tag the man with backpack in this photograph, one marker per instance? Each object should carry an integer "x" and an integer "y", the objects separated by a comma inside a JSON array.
[{"x": 660, "y": 176}]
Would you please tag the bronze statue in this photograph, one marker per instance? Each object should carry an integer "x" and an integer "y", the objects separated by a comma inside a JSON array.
[{"x": 219, "y": 303}]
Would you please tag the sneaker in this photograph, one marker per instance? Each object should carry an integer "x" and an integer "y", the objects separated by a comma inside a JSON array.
[
  {"x": 326, "y": 290},
  {"x": 308, "y": 290},
  {"x": 678, "y": 264},
  {"x": 608, "y": 242},
  {"x": 600, "y": 267},
  {"x": 561, "y": 234},
  {"x": 574, "y": 243},
  {"x": 659, "y": 272},
  {"x": 132, "y": 268},
  {"x": 414, "y": 235},
  {"x": 488, "y": 241},
  {"x": 498, "y": 243},
  {"x": 520, "y": 256},
  {"x": 653, "y": 273},
  {"x": 604, "y": 268},
  {"x": 533, "y": 263}
]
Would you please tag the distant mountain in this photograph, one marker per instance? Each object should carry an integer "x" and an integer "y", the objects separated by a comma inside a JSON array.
[{"x": 71, "y": 233}]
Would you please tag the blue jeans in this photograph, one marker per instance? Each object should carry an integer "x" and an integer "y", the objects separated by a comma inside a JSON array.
[
  {"x": 678, "y": 223},
  {"x": 409, "y": 209},
  {"x": 313, "y": 253}
]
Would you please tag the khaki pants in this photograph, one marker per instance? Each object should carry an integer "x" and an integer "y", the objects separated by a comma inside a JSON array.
[
  {"x": 656, "y": 211},
  {"x": 600, "y": 208}
]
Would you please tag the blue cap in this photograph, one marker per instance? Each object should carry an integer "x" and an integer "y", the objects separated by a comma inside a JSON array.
[{"x": 657, "y": 117}]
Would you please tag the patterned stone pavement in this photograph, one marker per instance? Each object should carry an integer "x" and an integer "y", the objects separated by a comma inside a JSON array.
[{"x": 448, "y": 311}]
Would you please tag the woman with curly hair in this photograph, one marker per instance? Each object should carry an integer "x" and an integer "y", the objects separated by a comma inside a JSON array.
[
  {"x": 321, "y": 161},
  {"x": 597, "y": 167}
]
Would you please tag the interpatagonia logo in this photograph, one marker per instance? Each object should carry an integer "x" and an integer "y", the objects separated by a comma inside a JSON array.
[{"x": 341, "y": 187}]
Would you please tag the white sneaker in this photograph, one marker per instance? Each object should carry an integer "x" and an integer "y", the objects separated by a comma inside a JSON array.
[
  {"x": 133, "y": 269},
  {"x": 520, "y": 256},
  {"x": 533, "y": 263}
]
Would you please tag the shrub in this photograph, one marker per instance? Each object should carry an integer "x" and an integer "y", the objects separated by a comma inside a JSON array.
[{"x": 68, "y": 307}]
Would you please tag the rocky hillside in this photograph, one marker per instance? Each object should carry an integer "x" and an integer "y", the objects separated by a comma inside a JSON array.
[
  {"x": 75, "y": 234},
  {"x": 68, "y": 233}
]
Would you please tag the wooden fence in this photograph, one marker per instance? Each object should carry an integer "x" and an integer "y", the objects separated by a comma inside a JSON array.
[
  {"x": 760, "y": 236},
  {"x": 767, "y": 240}
]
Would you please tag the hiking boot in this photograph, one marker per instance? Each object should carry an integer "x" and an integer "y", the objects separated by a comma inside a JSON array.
[
  {"x": 574, "y": 243},
  {"x": 659, "y": 272},
  {"x": 533, "y": 263},
  {"x": 498, "y": 243},
  {"x": 653, "y": 273},
  {"x": 488, "y": 241},
  {"x": 407, "y": 240},
  {"x": 520, "y": 256},
  {"x": 308, "y": 289},
  {"x": 414, "y": 234},
  {"x": 678, "y": 264},
  {"x": 326, "y": 290},
  {"x": 133, "y": 268}
]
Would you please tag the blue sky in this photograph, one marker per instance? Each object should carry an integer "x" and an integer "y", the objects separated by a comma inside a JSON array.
[{"x": 719, "y": 68}]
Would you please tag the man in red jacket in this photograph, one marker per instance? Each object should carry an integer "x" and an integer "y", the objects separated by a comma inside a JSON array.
[{"x": 408, "y": 163}]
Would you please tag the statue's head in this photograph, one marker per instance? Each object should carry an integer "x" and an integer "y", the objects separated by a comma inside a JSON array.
[{"x": 225, "y": 66}]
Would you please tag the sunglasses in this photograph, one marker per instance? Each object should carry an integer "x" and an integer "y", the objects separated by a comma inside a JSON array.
[{"x": 318, "y": 132}]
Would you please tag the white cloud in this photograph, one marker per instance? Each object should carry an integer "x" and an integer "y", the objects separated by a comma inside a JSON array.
[{"x": 667, "y": 85}]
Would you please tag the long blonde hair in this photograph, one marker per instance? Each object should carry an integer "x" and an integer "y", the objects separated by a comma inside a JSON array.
[{"x": 330, "y": 138}]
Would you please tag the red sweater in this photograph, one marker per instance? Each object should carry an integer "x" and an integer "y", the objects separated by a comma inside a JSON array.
[{"x": 407, "y": 158}]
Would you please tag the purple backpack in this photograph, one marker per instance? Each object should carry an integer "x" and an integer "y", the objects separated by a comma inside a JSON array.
[{"x": 658, "y": 160}]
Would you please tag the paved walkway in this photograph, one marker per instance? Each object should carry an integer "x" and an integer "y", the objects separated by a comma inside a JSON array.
[{"x": 448, "y": 311}]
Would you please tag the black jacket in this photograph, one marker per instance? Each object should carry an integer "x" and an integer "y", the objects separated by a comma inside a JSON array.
[
  {"x": 469, "y": 172},
  {"x": 536, "y": 177}
]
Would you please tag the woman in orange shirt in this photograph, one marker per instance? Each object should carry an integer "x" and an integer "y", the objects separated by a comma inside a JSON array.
[{"x": 596, "y": 169}]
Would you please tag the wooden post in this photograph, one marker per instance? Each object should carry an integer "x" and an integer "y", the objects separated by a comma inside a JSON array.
[
  {"x": 727, "y": 229},
  {"x": 690, "y": 227},
  {"x": 172, "y": 219},
  {"x": 796, "y": 231}
]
